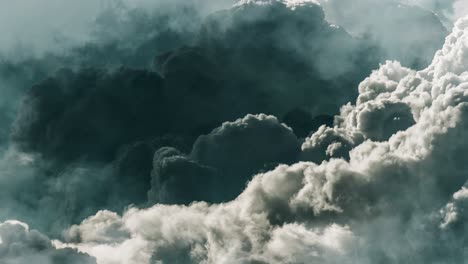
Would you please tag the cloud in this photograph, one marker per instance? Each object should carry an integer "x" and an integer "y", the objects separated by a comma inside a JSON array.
[
  {"x": 382, "y": 183},
  {"x": 18, "y": 245},
  {"x": 38, "y": 40},
  {"x": 198, "y": 87},
  {"x": 35, "y": 30},
  {"x": 328, "y": 143},
  {"x": 242, "y": 148},
  {"x": 447, "y": 10},
  {"x": 55, "y": 115},
  {"x": 404, "y": 32},
  {"x": 398, "y": 198},
  {"x": 225, "y": 158},
  {"x": 99, "y": 126},
  {"x": 178, "y": 179}
]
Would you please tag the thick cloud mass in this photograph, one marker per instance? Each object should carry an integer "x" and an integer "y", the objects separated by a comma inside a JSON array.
[
  {"x": 224, "y": 159},
  {"x": 198, "y": 87},
  {"x": 177, "y": 178},
  {"x": 75, "y": 112},
  {"x": 400, "y": 196},
  {"x": 246, "y": 145},
  {"x": 100, "y": 126}
]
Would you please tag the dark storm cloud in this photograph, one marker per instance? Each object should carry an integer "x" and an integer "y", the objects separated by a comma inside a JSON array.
[
  {"x": 178, "y": 179},
  {"x": 303, "y": 123},
  {"x": 244, "y": 147},
  {"x": 288, "y": 53},
  {"x": 38, "y": 40},
  {"x": 91, "y": 112},
  {"x": 226, "y": 159},
  {"x": 200, "y": 87},
  {"x": 87, "y": 121}
]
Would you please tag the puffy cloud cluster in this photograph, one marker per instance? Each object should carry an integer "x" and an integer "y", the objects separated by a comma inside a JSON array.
[
  {"x": 399, "y": 197},
  {"x": 19, "y": 244}
]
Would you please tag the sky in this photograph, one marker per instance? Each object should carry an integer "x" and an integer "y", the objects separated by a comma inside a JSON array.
[{"x": 232, "y": 132}]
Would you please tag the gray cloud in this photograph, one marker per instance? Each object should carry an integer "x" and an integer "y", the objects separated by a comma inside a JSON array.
[
  {"x": 226, "y": 158},
  {"x": 178, "y": 179}
]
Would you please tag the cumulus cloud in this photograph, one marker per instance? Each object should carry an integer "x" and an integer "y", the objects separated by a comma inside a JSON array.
[
  {"x": 196, "y": 88},
  {"x": 226, "y": 158},
  {"x": 328, "y": 143},
  {"x": 100, "y": 126},
  {"x": 398, "y": 198},
  {"x": 245, "y": 146},
  {"x": 200, "y": 86}
]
